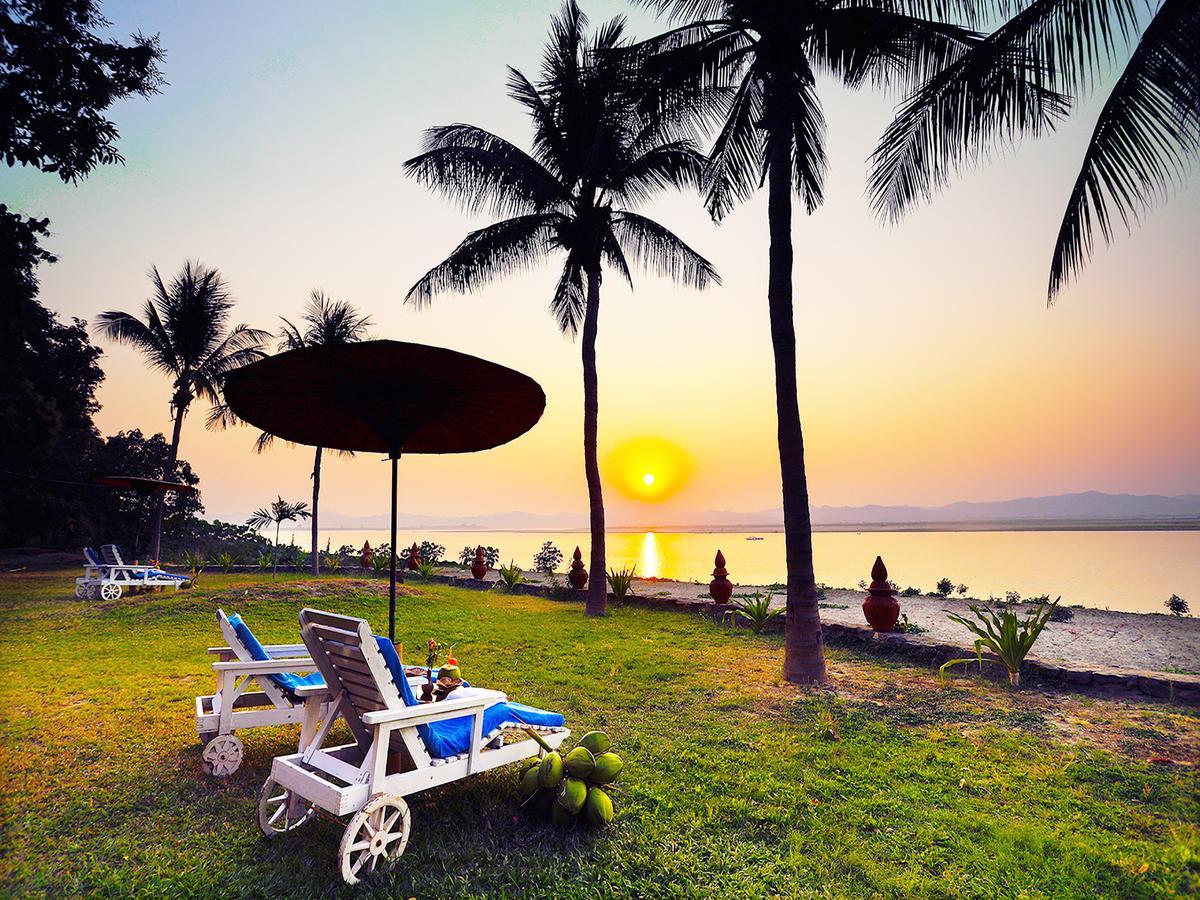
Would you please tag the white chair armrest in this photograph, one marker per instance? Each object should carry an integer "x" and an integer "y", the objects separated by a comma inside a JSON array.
[
  {"x": 311, "y": 691},
  {"x": 477, "y": 698},
  {"x": 266, "y": 666},
  {"x": 280, "y": 650}
]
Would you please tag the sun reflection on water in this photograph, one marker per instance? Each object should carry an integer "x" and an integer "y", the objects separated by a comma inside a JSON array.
[{"x": 648, "y": 564}]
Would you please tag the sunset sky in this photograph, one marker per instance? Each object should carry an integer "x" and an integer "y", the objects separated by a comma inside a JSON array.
[{"x": 930, "y": 367}]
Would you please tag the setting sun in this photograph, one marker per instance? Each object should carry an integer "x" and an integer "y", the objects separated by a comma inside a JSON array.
[
  {"x": 649, "y": 469},
  {"x": 648, "y": 479}
]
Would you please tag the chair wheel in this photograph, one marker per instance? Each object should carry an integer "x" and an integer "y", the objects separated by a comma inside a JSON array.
[
  {"x": 376, "y": 837},
  {"x": 222, "y": 756},
  {"x": 281, "y": 810},
  {"x": 110, "y": 591}
]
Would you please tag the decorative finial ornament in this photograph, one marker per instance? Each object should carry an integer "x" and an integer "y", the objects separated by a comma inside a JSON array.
[
  {"x": 720, "y": 588},
  {"x": 578, "y": 575},
  {"x": 414, "y": 557},
  {"x": 880, "y": 606},
  {"x": 479, "y": 565}
]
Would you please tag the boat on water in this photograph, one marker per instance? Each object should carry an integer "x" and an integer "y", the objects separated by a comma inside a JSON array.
[{"x": 754, "y": 537}]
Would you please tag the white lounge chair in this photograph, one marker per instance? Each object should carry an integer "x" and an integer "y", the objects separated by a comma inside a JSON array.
[
  {"x": 88, "y": 584},
  {"x": 245, "y": 663},
  {"x": 400, "y": 746},
  {"x": 108, "y": 576}
]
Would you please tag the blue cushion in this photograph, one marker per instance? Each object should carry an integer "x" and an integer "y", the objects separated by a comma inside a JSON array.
[
  {"x": 289, "y": 681},
  {"x": 453, "y": 736}
]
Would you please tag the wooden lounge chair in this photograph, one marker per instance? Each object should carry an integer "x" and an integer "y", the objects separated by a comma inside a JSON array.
[
  {"x": 244, "y": 663},
  {"x": 108, "y": 576},
  {"x": 400, "y": 746}
]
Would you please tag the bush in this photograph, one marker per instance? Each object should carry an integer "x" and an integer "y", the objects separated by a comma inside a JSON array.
[
  {"x": 621, "y": 582},
  {"x": 911, "y": 592},
  {"x": 491, "y": 556},
  {"x": 510, "y": 576},
  {"x": 225, "y": 561},
  {"x": 1005, "y": 635},
  {"x": 433, "y": 553},
  {"x": 755, "y": 609},
  {"x": 1176, "y": 605},
  {"x": 547, "y": 559},
  {"x": 945, "y": 587}
]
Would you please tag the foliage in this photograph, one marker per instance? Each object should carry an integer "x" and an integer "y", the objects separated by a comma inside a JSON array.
[
  {"x": 332, "y": 562},
  {"x": 906, "y": 627},
  {"x": 1176, "y": 605},
  {"x": 425, "y": 570},
  {"x": 194, "y": 562},
  {"x": 302, "y": 561},
  {"x": 547, "y": 559},
  {"x": 1005, "y": 635},
  {"x": 491, "y": 556},
  {"x": 910, "y": 592},
  {"x": 961, "y": 590},
  {"x": 511, "y": 575},
  {"x": 210, "y": 538},
  {"x": 263, "y": 561},
  {"x": 725, "y": 763},
  {"x": 621, "y": 582},
  {"x": 225, "y": 561},
  {"x": 431, "y": 552},
  {"x": 755, "y": 609},
  {"x": 945, "y": 587},
  {"x": 276, "y": 514}
]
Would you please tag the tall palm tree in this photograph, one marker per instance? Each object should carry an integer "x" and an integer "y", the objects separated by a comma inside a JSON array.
[
  {"x": 595, "y": 154},
  {"x": 276, "y": 514},
  {"x": 1144, "y": 142},
  {"x": 184, "y": 332},
  {"x": 325, "y": 323},
  {"x": 749, "y": 67}
]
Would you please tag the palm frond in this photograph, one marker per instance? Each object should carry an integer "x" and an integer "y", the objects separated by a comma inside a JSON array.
[
  {"x": 677, "y": 164},
  {"x": 567, "y": 304},
  {"x": 124, "y": 328},
  {"x": 660, "y": 251},
  {"x": 803, "y": 110},
  {"x": 736, "y": 161},
  {"x": 1146, "y": 137},
  {"x": 488, "y": 253}
]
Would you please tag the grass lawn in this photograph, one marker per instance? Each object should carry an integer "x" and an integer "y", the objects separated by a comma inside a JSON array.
[{"x": 736, "y": 784}]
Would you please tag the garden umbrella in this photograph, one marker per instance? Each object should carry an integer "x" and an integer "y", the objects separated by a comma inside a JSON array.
[
  {"x": 145, "y": 486},
  {"x": 387, "y": 397}
]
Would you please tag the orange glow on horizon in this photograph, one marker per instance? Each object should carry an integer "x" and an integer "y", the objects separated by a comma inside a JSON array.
[{"x": 649, "y": 469}]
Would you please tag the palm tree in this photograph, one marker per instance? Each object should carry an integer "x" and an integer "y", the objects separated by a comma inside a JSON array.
[
  {"x": 184, "y": 333},
  {"x": 1143, "y": 144},
  {"x": 277, "y": 513},
  {"x": 750, "y": 66},
  {"x": 326, "y": 323},
  {"x": 594, "y": 155}
]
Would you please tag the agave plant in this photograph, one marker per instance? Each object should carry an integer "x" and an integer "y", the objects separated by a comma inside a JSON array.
[
  {"x": 621, "y": 582},
  {"x": 332, "y": 562},
  {"x": 1005, "y": 634},
  {"x": 755, "y": 609},
  {"x": 263, "y": 561},
  {"x": 194, "y": 562},
  {"x": 424, "y": 570},
  {"x": 225, "y": 561},
  {"x": 511, "y": 575}
]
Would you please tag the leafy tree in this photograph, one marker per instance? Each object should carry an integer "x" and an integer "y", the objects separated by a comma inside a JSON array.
[
  {"x": 184, "y": 333},
  {"x": 595, "y": 155},
  {"x": 750, "y": 67},
  {"x": 1145, "y": 142},
  {"x": 945, "y": 587},
  {"x": 325, "y": 323},
  {"x": 547, "y": 559},
  {"x": 276, "y": 514}
]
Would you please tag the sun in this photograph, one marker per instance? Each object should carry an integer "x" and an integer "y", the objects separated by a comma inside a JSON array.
[
  {"x": 648, "y": 479},
  {"x": 648, "y": 469}
]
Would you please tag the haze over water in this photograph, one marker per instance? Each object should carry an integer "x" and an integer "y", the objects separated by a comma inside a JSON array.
[{"x": 1123, "y": 570}]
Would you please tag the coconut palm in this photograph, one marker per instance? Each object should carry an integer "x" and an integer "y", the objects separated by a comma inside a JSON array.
[
  {"x": 1143, "y": 144},
  {"x": 594, "y": 156},
  {"x": 184, "y": 332},
  {"x": 325, "y": 323},
  {"x": 276, "y": 514},
  {"x": 749, "y": 67}
]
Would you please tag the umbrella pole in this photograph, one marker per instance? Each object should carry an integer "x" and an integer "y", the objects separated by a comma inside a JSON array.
[{"x": 392, "y": 586}]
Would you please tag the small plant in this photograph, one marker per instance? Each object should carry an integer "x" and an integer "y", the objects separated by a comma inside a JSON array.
[
  {"x": 906, "y": 627},
  {"x": 945, "y": 587},
  {"x": 193, "y": 561},
  {"x": 510, "y": 576},
  {"x": 332, "y": 562},
  {"x": 1012, "y": 597},
  {"x": 466, "y": 556},
  {"x": 1004, "y": 634},
  {"x": 381, "y": 560},
  {"x": 911, "y": 591},
  {"x": 225, "y": 561},
  {"x": 263, "y": 561},
  {"x": 862, "y": 584},
  {"x": 621, "y": 582},
  {"x": 547, "y": 559},
  {"x": 302, "y": 560},
  {"x": 424, "y": 570},
  {"x": 961, "y": 590},
  {"x": 432, "y": 553},
  {"x": 754, "y": 608},
  {"x": 491, "y": 556},
  {"x": 1176, "y": 605}
]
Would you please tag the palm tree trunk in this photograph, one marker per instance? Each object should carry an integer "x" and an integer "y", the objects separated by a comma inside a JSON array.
[
  {"x": 316, "y": 476},
  {"x": 597, "y": 596},
  {"x": 275, "y": 552},
  {"x": 804, "y": 651},
  {"x": 168, "y": 475}
]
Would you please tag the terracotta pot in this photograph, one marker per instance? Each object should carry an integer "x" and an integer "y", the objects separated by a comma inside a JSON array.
[
  {"x": 720, "y": 588},
  {"x": 478, "y": 565},
  {"x": 880, "y": 606},
  {"x": 414, "y": 558},
  {"x": 578, "y": 576}
]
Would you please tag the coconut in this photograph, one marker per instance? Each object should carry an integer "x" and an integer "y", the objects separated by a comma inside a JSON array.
[
  {"x": 530, "y": 782},
  {"x": 574, "y": 792},
  {"x": 550, "y": 772},
  {"x": 560, "y": 815},
  {"x": 595, "y": 741},
  {"x": 598, "y": 807},
  {"x": 608, "y": 767},
  {"x": 579, "y": 762}
]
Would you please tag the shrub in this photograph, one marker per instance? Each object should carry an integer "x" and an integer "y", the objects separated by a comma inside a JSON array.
[
  {"x": 424, "y": 570},
  {"x": 432, "y": 553},
  {"x": 193, "y": 561},
  {"x": 621, "y": 582},
  {"x": 547, "y": 559},
  {"x": 945, "y": 587},
  {"x": 962, "y": 590},
  {"x": 510, "y": 576},
  {"x": 911, "y": 592},
  {"x": 1176, "y": 605},
  {"x": 1007, "y": 636},
  {"x": 754, "y": 608},
  {"x": 225, "y": 561},
  {"x": 332, "y": 561},
  {"x": 906, "y": 627},
  {"x": 263, "y": 561},
  {"x": 466, "y": 556},
  {"x": 381, "y": 559},
  {"x": 303, "y": 560}
]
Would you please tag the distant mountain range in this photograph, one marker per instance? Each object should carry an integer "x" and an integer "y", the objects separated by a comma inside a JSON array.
[{"x": 1087, "y": 509}]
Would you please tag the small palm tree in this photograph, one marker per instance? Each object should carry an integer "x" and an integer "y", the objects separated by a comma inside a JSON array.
[
  {"x": 595, "y": 154},
  {"x": 325, "y": 323},
  {"x": 184, "y": 332},
  {"x": 749, "y": 67},
  {"x": 1145, "y": 141},
  {"x": 276, "y": 514}
]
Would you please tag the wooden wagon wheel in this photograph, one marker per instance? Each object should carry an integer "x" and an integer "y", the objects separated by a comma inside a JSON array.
[
  {"x": 110, "y": 591},
  {"x": 281, "y": 810},
  {"x": 91, "y": 591},
  {"x": 80, "y": 590},
  {"x": 376, "y": 836},
  {"x": 222, "y": 755}
]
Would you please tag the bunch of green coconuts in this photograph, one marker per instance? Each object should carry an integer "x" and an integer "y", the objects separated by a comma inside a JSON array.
[{"x": 571, "y": 786}]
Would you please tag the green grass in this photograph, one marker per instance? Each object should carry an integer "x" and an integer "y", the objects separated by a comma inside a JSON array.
[{"x": 887, "y": 785}]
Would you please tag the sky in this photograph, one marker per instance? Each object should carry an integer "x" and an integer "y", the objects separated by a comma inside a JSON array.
[{"x": 930, "y": 368}]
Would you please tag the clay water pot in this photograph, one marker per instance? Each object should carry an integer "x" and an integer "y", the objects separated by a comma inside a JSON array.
[
  {"x": 720, "y": 588},
  {"x": 880, "y": 606},
  {"x": 478, "y": 565},
  {"x": 578, "y": 575}
]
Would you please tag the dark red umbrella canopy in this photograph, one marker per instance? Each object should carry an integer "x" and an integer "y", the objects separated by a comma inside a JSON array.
[
  {"x": 386, "y": 396},
  {"x": 145, "y": 485}
]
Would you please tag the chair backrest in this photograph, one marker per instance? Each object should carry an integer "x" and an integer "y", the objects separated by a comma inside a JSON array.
[
  {"x": 238, "y": 646},
  {"x": 112, "y": 554},
  {"x": 91, "y": 557},
  {"x": 349, "y": 658}
]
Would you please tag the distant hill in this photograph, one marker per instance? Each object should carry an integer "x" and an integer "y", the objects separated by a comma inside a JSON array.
[{"x": 1090, "y": 508}]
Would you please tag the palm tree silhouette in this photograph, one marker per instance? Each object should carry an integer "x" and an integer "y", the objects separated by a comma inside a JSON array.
[
  {"x": 184, "y": 333},
  {"x": 750, "y": 65},
  {"x": 594, "y": 155},
  {"x": 326, "y": 323},
  {"x": 1016, "y": 81},
  {"x": 276, "y": 514}
]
